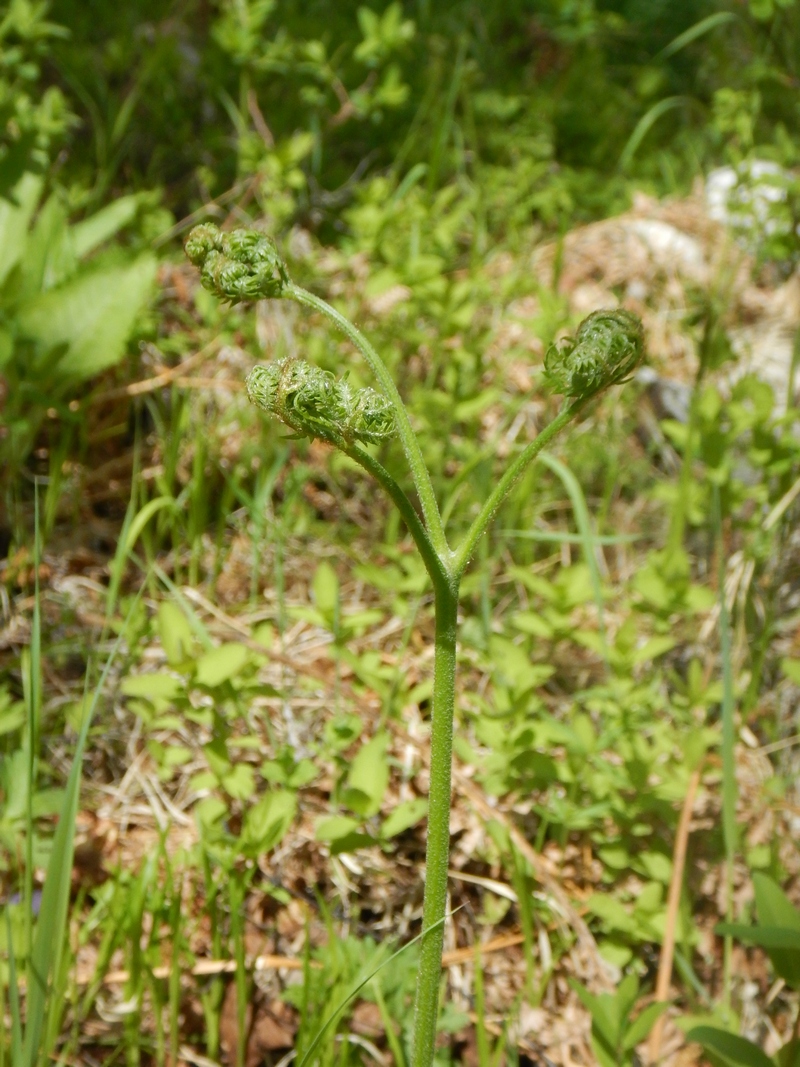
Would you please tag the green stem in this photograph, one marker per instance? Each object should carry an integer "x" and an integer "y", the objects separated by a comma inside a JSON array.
[
  {"x": 437, "y": 854},
  {"x": 511, "y": 476},
  {"x": 419, "y": 472}
]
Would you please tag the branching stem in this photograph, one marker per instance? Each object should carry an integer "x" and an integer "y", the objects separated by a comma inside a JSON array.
[
  {"x": 245, "y": 265},
  {"x": 416, "y": 463},
  {"x": 513, "y": 473}
]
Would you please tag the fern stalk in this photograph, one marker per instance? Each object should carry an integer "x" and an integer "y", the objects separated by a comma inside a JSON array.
[{"x": 245, "y": 265}]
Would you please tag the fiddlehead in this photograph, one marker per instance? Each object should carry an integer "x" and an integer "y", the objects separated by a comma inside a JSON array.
[
  {"x": 604, "y": 351},
  {"x": 316, "y": 404},
  {"x": 240, "y": 265}
]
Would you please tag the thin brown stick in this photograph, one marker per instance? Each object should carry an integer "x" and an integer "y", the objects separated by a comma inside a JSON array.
[
  {"x": 209, "y": 968},
  {"x": 673, "y": 903},
  {"x": 149, "y": 385}
]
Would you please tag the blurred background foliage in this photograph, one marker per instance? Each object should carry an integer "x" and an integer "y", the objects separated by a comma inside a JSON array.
[{"x": 191, "y": 96}]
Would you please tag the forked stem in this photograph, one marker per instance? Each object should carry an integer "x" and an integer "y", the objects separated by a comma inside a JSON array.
[
  {"x": 513, "y": 473},
  {"x": 245, "y": 265},
  {"x": 416, "y": 463}
]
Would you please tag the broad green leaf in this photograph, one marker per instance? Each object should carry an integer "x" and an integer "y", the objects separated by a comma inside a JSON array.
[
  {"x": 239, "y": 783},
  {"x": 104, "y": 224},
  {"x": 612, "y": 913},
  {"x": 268, "y": 821},
  {"x": 730, "y": 1050},
  {"x": 175, "y": 632},
  {"x": 529, "y": 622},
  {"x": 775, "y": 909},
  {"x": 221, "y": 664},
  {"x": 157, "y": 685},
  {"x": 209, "y": 811},
  {"x": 325, "y": 588},
  {"x": 335, "y": 827},
  {"x": 769, "y": 937},
  {"x": 791, "y": 669},
  {"x": 643, "y": 1024},
  {"x": 12, "y": 713},
  {"x": 91, "y": 316},
  {"x": 368, "y": 777},
  {"x": 656, "y": 866},
  {"x": 604, "y": 1013},
  {"x": 15, "y": 216},
  {"x": 404, "y": 816},
  {"x": 789, "y": 1055},
  {"x": 49, "y": 256}
]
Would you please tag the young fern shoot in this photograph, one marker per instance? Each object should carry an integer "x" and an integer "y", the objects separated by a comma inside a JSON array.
[{"x": 245, "y": 265}]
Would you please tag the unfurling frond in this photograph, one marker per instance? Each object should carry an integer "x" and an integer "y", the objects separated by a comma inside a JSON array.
[
  {"x": 240, "y": 265},
  {"x": 605, "y": 350},
  {"x": 316, "y": 404}
]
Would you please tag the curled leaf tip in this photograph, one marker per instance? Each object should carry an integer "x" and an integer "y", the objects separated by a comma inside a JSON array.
[
  {"x": 316, "y": 404},
  {"x": 240, "y": 265},
  {"x": 605, "y": 350}
]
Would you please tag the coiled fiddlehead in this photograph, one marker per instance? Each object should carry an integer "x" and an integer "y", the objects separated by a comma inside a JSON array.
[
  {"x": 316, "y": 404},
  {"x": 240, "y": 265},
  {"x": 604, "y": 351}
]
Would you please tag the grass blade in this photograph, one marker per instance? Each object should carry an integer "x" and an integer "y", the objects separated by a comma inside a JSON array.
[
  {"x": 645, "y": 124},
  {"x": 13, "y": 997},
  {"x": 334, "y": 1015},
  {"x": 50, "y": 929},
  {"x": 584, "y": 524},
  {"x": 704, "y": 26}
]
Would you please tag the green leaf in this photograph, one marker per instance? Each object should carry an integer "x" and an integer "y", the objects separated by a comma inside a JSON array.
[
  {"x": 335, "y": 827},
  {"x": 16, "y": 212},
  {"x": 104, "y": 224},
  {"x": 604, "y": 1010},
  {"x": 775, "y": 909},
  {"x": 49, "y": 256},
  {"x": 268, "y": 822},
  {"x": 91, "y": 316},
  {"x": 769, "y": 937},
  {"x": 155, "y": 686},
  {"x": 404, "y": 816},
  {"x": 175, "y": 632},
  {"x": 52, "y": 924},
  {"x": 239, "y": 783},
  {"x": 612, "y": 912},
  {"x": 643, "y": 1024},
  {"x": 791, "y": 669},
  {"x": 221, "y": 664},
  {"x": 731, "y": 1050},
  {"x": 695, "y": 32},
  {"x": 368, "y": 777},
  {"x": 789, "y": 1055},
  {"x": 325, "y": 588}
]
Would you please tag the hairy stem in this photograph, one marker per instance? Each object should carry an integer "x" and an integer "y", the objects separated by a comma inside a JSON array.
[
  {"x": 509, "y": 479},
  {"x": 419, "y": 472},
  {"x": 437, "y": 854}
]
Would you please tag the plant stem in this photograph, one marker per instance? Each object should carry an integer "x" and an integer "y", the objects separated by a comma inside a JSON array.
[
  {"x": 419, "y": 472},
  {"x": 512, "y": 474},
  {"x": 426, "y": 1008}
]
